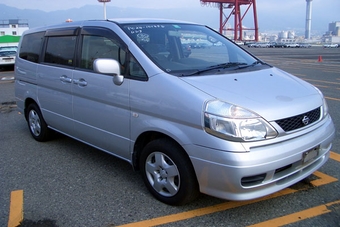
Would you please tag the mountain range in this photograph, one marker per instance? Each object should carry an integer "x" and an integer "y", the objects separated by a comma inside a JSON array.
[{"x": 274, "y": 20}]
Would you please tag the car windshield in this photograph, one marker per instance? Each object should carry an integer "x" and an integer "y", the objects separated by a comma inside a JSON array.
[{"x": 186, "y": 49}]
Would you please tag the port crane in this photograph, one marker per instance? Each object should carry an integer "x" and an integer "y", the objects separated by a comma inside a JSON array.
[{"x": 234, "y": 6}]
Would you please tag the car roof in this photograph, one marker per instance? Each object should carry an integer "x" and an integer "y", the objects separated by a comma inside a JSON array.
[
  {"x": 118, "y": 21},
  {"x": 146, "y": 20}
]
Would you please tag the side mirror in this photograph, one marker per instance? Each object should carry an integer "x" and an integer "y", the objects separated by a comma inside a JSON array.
[{"x": 110, "y": 67}]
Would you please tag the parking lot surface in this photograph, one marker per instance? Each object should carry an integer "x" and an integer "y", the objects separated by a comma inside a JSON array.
[{"x": 66, "y": 183}]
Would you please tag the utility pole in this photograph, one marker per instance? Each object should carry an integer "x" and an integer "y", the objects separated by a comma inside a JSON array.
[{"x": 104, "y": 1}]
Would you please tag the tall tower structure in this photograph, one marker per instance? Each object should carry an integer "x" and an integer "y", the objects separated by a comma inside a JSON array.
[
  {"x": 308, "y": 19},
  {"x": 235, "y": 13}
]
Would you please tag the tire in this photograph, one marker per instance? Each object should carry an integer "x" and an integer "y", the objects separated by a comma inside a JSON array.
[
  {"x": 168, "y": 173},
  {"x": 36, "y": 123}
]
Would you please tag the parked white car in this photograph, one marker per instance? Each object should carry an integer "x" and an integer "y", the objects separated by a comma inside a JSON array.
[
  {"x": 304, "y": 45},
  {"x": 262, "y": 45},
  {"x": 332, "y": 45},
  {"x": 251, "y": 44},
  {"x": 259, "y": 45},
  {"x": 7, "y": 57},
  {"x": 292, "y": 45}
]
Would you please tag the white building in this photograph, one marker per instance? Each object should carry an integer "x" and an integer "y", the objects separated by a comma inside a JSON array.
[
  {"x": 14, "y": 27},
  {"x": 11, "y": 31}
]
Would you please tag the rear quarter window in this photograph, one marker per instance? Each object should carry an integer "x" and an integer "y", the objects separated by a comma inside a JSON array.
[{"x": 31, "y": 46}]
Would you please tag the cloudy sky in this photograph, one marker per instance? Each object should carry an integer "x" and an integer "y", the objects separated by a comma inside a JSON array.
[
  {"x": 283, "y": 13},
  {"x": 330, "y": 6}
]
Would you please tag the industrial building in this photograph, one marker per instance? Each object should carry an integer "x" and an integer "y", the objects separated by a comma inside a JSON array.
[
  {"x": 333, "y": 33},
  {"x": 334, "y": 28}
]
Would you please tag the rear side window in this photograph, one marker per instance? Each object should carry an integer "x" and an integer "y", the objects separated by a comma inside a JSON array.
[
  {"x": 60, "y": 50},
  {"x": 31, "y": 46}
]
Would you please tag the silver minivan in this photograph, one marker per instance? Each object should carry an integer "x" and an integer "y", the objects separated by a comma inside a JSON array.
[{"x": 188, "y": 108}]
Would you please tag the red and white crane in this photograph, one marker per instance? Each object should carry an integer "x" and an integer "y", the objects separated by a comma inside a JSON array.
[{"x": 234, "y": 6}]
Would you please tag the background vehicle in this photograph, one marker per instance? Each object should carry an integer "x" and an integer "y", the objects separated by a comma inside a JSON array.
[
  {"x": 304, "y": 45},
  {"x": 262, "y": 45},
  {"x": 292, "y": 45},
  {"x": 278, "y": 45},
  {"x": 239, "y": 42},
  {"x": 259, "y": 45},
  {"x": 251, "y": 44},
  {"x": 332, "y": 45},
  {"x": 7, "y": 57}
]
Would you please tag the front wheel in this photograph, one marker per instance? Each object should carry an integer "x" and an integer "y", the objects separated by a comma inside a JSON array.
[
  {"x": 168, "y": 173},
  {"x": 37, "y": 124}
]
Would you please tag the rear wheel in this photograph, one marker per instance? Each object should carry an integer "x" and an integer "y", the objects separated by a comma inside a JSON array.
[
  {"x": 168, "y": 173},
  {"x": 37, "y": 124}
]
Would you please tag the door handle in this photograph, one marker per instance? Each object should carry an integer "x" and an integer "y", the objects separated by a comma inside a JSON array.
[
  {"x": 65, "y": 79},
  {"x": 21, "y": 71},
  {"x": 81, "y": 82}
]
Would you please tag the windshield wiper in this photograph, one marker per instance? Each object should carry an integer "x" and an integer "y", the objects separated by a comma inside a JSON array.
[
  {"x": 219, "y": 66},
  {"x": 251, "y": 65}
]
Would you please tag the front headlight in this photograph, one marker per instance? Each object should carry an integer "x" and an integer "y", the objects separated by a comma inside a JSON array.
[
  {"x": 324, "y": 108},
  {"x": 235, "y": 123},
  {"x": 324, "y": 103}
]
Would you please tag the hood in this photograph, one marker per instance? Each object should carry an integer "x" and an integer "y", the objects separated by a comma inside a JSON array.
[{"x": 271, "y": 93}]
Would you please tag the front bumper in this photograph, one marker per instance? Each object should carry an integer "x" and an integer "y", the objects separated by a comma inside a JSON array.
[{"x": 264, "y": 169}]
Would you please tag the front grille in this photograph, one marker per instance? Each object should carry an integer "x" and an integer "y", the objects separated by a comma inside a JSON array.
[{"x": 299, "y": 121}]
